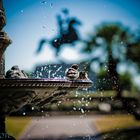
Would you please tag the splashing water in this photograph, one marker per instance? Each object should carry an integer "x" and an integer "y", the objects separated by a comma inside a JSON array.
[
  {"x": 21, "y": 11},
  {"x": 49, "y": 74},
  {"x": 33, "y": 108},
  {"x": 82, "y": 110},
  {"x": 83, "y": 99},
  {"x": 24, "y": 113},
  {"x": 51, "y": 5},
  {"x": 74, "y": 108},
  {"x": 55, "y": 73},
  {"x": 49, "y": 71}
]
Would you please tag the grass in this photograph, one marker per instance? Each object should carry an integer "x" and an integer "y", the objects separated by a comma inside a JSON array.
[
  {"x": 81, "y": 94},
  {"x": 115, "y": 122},
  {"x": 90, "y": 101},
  {"x": 16, "y": 125}
]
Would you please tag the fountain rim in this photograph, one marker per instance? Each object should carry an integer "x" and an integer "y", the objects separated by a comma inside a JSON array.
[{"x": 44, "y": 82}]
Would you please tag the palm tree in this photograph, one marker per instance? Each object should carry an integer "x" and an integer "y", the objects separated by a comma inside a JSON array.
[
  {"x": 111, "y": 39},
  {"x": 133, "y": 52}
]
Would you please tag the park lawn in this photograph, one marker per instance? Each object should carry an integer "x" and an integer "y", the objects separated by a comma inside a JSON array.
[
  {"x": 108, "y": 93},
  {"x": 115, "y": 122},
  {"x": 16, "y": 125},
  {"x": 81, "y": 94}
]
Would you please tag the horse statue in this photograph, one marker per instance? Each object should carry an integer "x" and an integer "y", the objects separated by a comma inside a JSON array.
[{"x": 68, "y": 33}]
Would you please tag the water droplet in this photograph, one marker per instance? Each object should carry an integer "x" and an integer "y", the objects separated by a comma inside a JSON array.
[
  {"x": 43, "y": 26},
  {"x": 79, "y": 101},
  {"x": 51, "y": 5},
  {"x": 82, "y": 110},
  {"x": 24, "y": 113},
  {"x": 55, "y": 40},
  {"x": 59, "y": 102},
  {"x": 21, "y": 11},
  {"x": 44, "y": 2},
  {"x": 33, "y": 108},
  {"x": 74, "y": 108}
]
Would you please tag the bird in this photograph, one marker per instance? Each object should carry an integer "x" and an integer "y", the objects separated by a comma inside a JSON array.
[
  {"x": 72, "y": 73},
  {"x": 15, "y": 67},
  {"x": 15, "y": 73},
  {"x": 83, "y": 76}
]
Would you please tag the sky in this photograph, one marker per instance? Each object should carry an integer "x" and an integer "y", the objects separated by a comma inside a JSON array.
[{"x": 28, "y": 21}]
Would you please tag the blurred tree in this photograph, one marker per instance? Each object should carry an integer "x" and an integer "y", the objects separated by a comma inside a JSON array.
[
  {"x": 102, "y": 82},
  {"x": 126, "y": 81},
  {"x": 133, "y": 52},
  {"x": 111, "y": 40}
]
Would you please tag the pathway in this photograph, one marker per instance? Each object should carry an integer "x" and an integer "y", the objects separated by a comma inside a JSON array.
[{"x": 60, "y": 126}]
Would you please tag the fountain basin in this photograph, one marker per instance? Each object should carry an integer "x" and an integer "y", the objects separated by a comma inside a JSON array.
[{"x": 15, "y": 93}]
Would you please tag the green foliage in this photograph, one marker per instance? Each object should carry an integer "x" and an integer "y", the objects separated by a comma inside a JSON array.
[
  {"x": 112, "y": 32},
  {"x": 102, "y": 82},
  {"x": 116, "y": 44},
  {"x": 133, "y": 52},
  {"x": 126, "y": 81}
]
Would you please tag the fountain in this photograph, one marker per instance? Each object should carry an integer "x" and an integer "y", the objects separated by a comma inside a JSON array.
[{"x": 16, "y": 92}]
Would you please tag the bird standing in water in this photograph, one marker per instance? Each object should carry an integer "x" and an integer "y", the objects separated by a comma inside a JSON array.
[{"x": 72, "y": 73}]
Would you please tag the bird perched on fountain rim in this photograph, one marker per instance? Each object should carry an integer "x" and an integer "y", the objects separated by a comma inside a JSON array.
[
  {"x": 15, "y": 73},
  {"x": 72, "y": 73},
  {"x": 83, "y": 76}
]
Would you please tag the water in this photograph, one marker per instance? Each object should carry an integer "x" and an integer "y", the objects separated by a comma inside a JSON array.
[
  {"x": 44, "y": 27},
  {"x": 24, "y": 113},
  {"x": 50, "y": 71},
  {"x": 21, "y": 11},
  {"x": 57, "y": 70},
  {"x": 51, "y": 5},
  {"x": 74, "y": 108},
  {"x": 32, "y": 108}
]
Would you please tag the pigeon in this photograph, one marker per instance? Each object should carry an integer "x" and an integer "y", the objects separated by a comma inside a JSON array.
[
  {"x": 15, "y": 73},
  {"x": 15, "y": 67},
  {"x": 72, "y": 73},
  {"x": 83, "y": 76}
]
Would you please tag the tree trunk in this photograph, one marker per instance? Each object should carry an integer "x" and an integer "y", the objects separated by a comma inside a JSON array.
[{"x": 113, "y": 75}]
